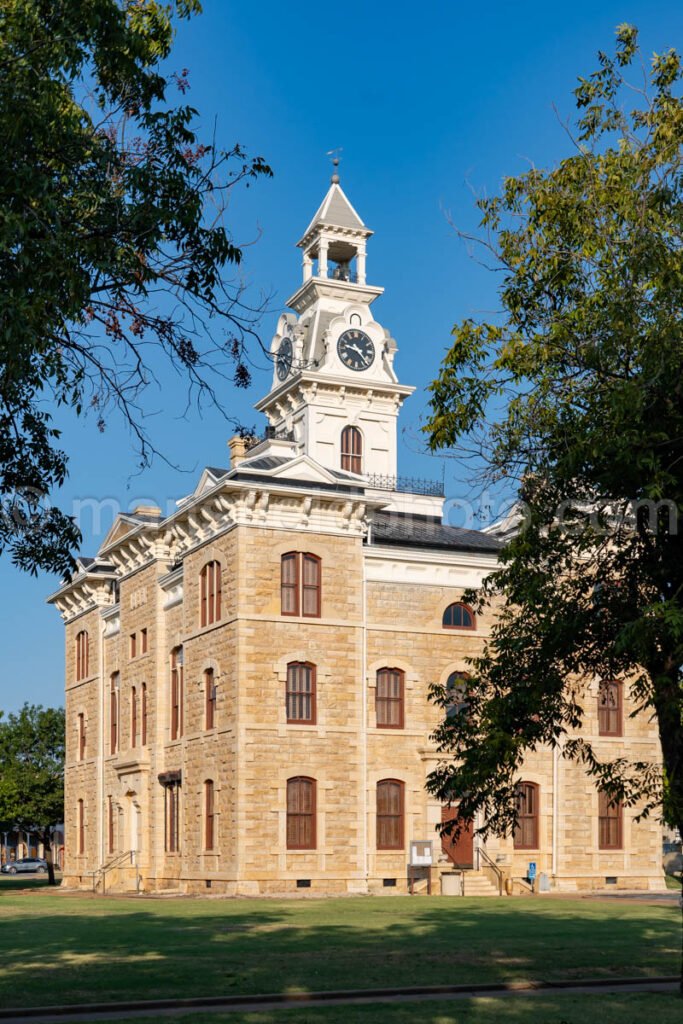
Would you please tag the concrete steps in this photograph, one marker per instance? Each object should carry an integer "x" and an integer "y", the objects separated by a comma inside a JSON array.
[{"x": 478, "y": 883}]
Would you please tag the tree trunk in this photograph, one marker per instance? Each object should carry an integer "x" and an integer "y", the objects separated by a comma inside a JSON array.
[{"x": 49, "y": 857}]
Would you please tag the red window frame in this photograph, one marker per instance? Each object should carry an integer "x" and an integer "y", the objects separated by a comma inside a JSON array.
[
  {"x": 610, "y": 823},
  {"x": 352, "y": 450},
  {"x": 209, "y": 699},
  {"x": 133, "y": 717},
  {"x": 301, "y": 813},
  {"x": 81, "y": 737},
  {"x": 143, "y": 641},
  {"x": 301, "y": 696},
  {"x": 611, "y": 708},
  {"x": 82, "y": 655},
  {"x": 133, "y": 644},
  {"x": 177, "y": 695},
  {"x": 143, "y": 715},
  {"x": 114, "y": 699},
  {"x": 464, "y": 611},
  {"x": 301, "y": 584},
  {"x": 210, "y": 586},
  {"x": 390, "y": 698},
  {"x": 209, "y": 816},
  {"x": 110, "y": 825},
  {"x": 390, "y": 814},
  {"x": 527, "y": 832},
  {"x": 80, "y": 827}
]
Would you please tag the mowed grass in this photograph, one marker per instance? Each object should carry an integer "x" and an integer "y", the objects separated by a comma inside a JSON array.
[
  {"x": 584, "y": 1009},
  {"x": 57, "y": 948}
]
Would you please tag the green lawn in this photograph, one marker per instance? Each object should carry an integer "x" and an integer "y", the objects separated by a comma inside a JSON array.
[
  {"x": 673, "y": 881},
  {"x": 594, "y": 1009},
  {"x": 56, "y": 948}
]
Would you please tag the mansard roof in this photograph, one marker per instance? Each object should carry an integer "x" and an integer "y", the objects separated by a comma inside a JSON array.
[{"x": 406, "y": 529}]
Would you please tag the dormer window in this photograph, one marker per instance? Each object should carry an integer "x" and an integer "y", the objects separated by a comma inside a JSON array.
[{"x": 352, "y": 450}]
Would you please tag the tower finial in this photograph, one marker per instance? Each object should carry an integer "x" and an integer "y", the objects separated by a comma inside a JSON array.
[{"x": 334, "y": 153}]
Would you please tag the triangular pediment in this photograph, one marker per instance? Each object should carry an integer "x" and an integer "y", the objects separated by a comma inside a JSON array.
[
  {"x": 121, "y": 526},
  {"x": 303, "y": 467},
  {"x": 207, "y": 480}
]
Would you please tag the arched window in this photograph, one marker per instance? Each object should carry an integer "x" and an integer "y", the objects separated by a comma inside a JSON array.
[
  {"x": 208, "y": 815},
  {"x": 176, "y": 693},
  {"x": 82, "y": 655},
  {"x": 301, "y": 584},
  {"x": 456, "y": 694},
  {"x": 80, "y": 827},
  {"x": 301, "y": 813},
  {"x": 610, "y": 709},
  {"x": 301, "y": 695},
  {"x": 526, "y": 833},
  {"x": 610, "y": 817},
  {"x": 458, "y": 616},
  {"x": 209, "y": 699},
  {"x": 133, "y": 716},
  {"x": 352, "y": 450},
  {"x": 114, "y": 683},
  {"x": 143, "y": 715},
  {"x": 80, "y": 739},
  {"x": 389, "y": 699},
  {"x": 390, "y": 814},
  {"x": 210, "y": 596}
]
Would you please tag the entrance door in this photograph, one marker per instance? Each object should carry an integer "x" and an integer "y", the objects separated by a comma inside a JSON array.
[{"x": 461, "y": 850}]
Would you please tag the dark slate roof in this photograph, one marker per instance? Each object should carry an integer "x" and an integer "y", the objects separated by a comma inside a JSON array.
[
  {"x": 264, "y": 462},
  {"x": 428, "y": 532},
  {"x": 215, "y": 471}
]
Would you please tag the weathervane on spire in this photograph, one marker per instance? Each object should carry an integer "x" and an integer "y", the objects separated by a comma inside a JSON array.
[{"x": 334, "y": 153}]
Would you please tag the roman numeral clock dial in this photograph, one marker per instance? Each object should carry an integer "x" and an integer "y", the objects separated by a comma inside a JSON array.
[{"x": 356, "y": 350}]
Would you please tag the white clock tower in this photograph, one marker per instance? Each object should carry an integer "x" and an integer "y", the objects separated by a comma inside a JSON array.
[{"x": 335, "y": 394}]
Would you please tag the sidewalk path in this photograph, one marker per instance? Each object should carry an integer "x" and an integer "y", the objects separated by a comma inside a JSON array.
[{"x": 236, "y": 1004}]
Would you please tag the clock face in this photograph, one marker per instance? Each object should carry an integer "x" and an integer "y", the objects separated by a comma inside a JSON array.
[
  {"x": 355, "y": 349},
  {"x": 284, "y": 358}
]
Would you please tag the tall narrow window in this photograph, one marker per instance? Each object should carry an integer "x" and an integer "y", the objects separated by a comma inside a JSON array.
[
  {"x": 209, "y": 699},
  {"x": 172, "y": 817},
  {"x": 143, "y": 715},
  {"x": 301, "y": 704},
  {"x": 81, "y": 737},
  {"x": 301, "y": 813},
  {"x": 526, "y": 833},
  {"x": 210, "y": 597},
  {"x": 311, "y": 586},
  {"x": 352, "y": 450},
  {"x": 114, "y": 684},
  {"x": 143, "y": 641},
  {"x": 176, "y": 693},
  {"x": 80, "y": 827},
  {"x": 133, "y": 644},
  {"x": 82, "y": 655},
  {"x": 610, "y": 709},
  {"x": 389, "y": 698},
  {"x": 610, "y": 816},
  {"x": 390, "y": 813},
  {"x": 133, "y": 716},
  {"x": 456, "y": 694},
  {"x": 301, "y": 584},
  {"x": 208, "y": 815},
  {"x": 458, "y": 616},
  {"x": 110, "y": 825}
]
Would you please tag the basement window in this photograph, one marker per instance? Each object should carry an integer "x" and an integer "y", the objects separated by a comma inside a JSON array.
[
  {"x": 303, "y": 883},
  {"x": 208, "y": 883},
  {"x": 389, "y": 883},
  {"x": 611, "y": 880}
]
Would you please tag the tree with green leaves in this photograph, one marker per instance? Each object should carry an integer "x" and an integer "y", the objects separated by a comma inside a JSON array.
[
  {"x": 573, "y": 398},
  {"x": 115, "y": 255},
  {"x": 32, "y": 774}
]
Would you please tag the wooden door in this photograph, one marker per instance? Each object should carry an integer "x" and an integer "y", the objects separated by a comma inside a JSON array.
[{"x": 459, "y": 851}]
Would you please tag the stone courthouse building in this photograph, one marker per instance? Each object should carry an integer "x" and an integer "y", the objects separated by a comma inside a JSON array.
[{"x": 247, "y": 678}]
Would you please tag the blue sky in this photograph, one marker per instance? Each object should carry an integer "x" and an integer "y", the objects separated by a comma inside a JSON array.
[{"x": 432, "y": 104}]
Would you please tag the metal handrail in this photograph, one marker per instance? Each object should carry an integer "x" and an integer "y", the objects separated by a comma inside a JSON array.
[
  {"x": 481, "y": 852},
  {"x": 116, "y": 862}
]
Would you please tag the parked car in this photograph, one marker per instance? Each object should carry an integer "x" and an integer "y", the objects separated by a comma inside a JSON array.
[{"x": 25, "y": 864}]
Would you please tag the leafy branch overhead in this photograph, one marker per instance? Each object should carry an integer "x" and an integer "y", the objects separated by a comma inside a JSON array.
[
  {"x": 574, "y": 395},
  {"x": 114, "y": 249}
]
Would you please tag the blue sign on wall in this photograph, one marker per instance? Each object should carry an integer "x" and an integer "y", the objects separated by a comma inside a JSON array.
[{"x": 532, "y": 870}]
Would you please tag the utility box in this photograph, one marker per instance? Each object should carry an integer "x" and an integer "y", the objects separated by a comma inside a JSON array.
[
  {"x": 543, "y": 882},
  {"x": 451, "y": 883}
]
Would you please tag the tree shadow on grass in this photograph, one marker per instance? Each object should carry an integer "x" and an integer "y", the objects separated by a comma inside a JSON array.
[{"x": 55, "y": 950}]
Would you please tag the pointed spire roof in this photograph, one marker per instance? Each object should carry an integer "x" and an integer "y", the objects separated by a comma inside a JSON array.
[{"x": 336, "y": 211}]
